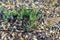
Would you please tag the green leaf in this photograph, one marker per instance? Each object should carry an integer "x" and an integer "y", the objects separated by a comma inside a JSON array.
[{"x": 1, "y": 8}]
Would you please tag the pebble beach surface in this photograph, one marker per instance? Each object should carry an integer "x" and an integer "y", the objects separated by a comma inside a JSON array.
[{"x": 48, "y": 25}]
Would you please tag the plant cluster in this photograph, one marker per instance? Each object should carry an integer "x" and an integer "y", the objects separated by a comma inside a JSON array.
[{"x": 27, "y": 16}]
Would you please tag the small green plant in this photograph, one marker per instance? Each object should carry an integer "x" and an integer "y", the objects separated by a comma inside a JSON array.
[
  {"x": 9, "y": 14},
  {"x": 29, "y": 16}
]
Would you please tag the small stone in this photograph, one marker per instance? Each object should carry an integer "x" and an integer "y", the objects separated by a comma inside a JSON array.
[
  {"x": 59, "y": 37},
  {"x": 34, "y": 38},
  {"x": 26, "y": 36}
]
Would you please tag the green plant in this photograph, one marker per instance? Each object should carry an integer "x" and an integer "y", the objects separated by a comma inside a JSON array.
[
  {"x": 30, "y": 16},
  {"x": 9, "y": 14}
]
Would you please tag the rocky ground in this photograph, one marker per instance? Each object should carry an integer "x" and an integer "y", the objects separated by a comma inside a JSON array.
[
  {"x": 41, "y": 33},
  {"x": 47, "y": 30}
]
